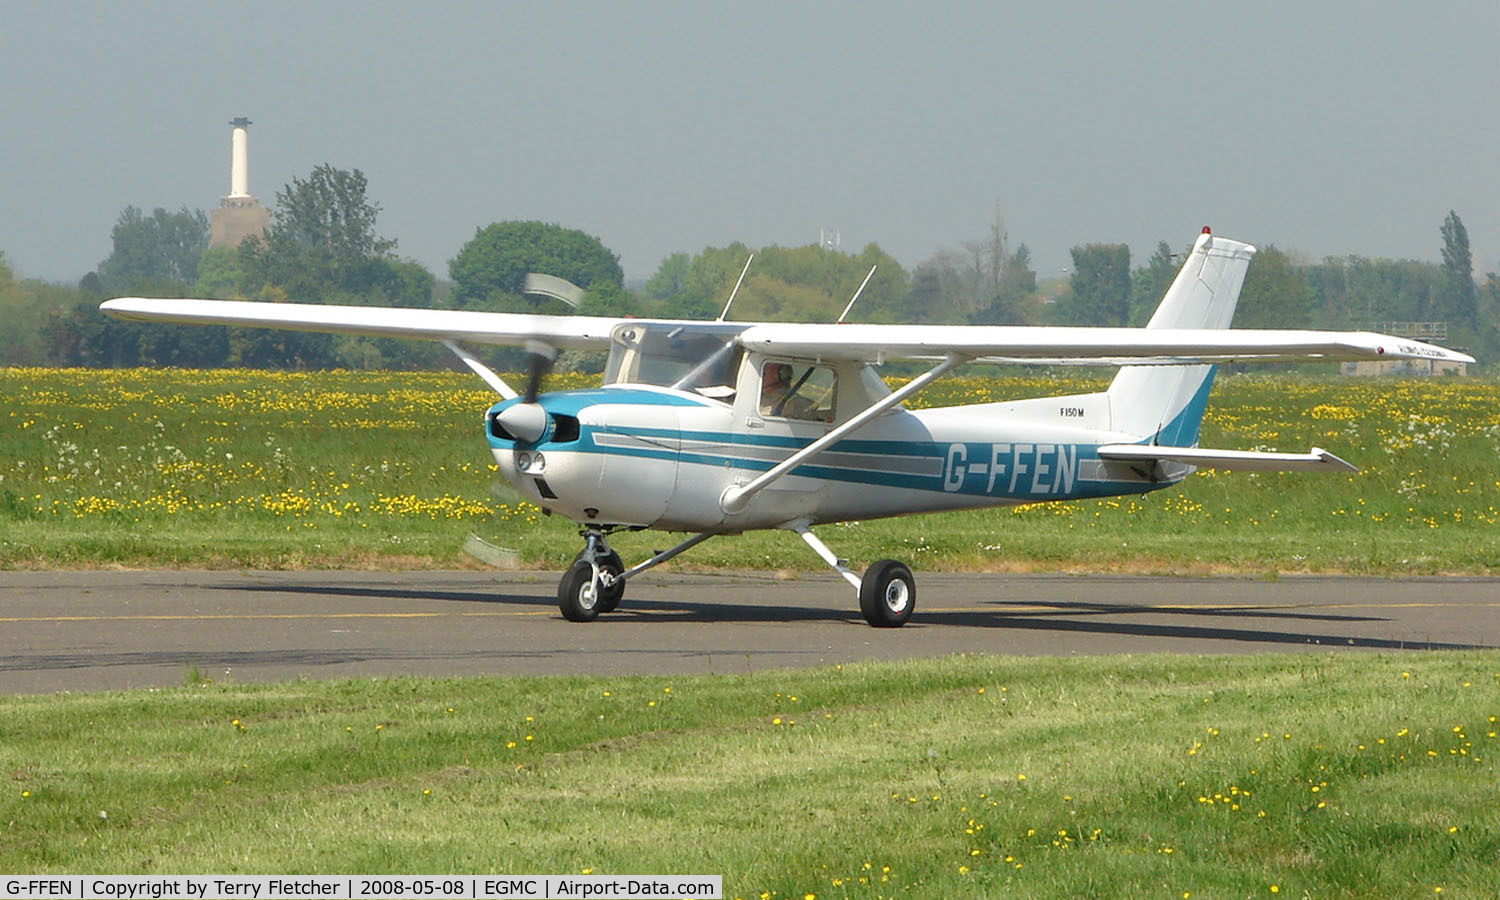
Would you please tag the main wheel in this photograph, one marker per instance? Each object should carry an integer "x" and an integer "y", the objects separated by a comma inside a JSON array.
[
  {"x": 887, "y": 594},
  {"x": 577, "y": 596},
  {"x": 611, "y": 596}
]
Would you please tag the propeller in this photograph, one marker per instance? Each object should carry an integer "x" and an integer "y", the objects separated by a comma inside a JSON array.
[{"x": 527, "y": 420}]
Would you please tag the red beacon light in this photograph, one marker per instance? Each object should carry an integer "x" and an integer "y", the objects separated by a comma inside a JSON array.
[{"x": 1207, "y": 230}]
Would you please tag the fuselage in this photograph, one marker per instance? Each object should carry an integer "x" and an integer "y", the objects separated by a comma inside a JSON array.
[{"x": 644, "y": 455}]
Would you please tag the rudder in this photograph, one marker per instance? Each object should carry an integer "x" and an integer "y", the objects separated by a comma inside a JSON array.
[{"x": 1164, "y": 404}]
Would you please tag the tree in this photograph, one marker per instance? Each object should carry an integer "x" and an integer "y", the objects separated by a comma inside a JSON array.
[
  {"x": 978, "y": 284},
  {"x": 1099, "y": 291},
  {"x": 1459, "y": 300},
  {"x": 490, "y": 271},
  {"x": 666, "y": 292},
  {"x": 156, "y": 252},
  {"x": 1014, "y": 298},
  {"x": 322, "y": 247},
  {"x": 221, "y": 273},
  {"x": 785, "y": 284},
  {"x": 322, "y": 239},
  {"x": 1274, "y": 294},
  {"x": 1149, "y": 283},
  {"x": 1487, "y": 348},
  {"x": 1358, "y": 292}
]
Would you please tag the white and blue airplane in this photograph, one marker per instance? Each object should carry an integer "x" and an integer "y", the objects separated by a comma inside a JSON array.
[{"x": 716, "y": 428}]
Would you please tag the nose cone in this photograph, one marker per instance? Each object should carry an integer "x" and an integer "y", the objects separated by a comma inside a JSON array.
[{"x": 527, "y": 421}]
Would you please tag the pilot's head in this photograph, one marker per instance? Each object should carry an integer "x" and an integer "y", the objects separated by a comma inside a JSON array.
[{"x": 775, "y": 375}]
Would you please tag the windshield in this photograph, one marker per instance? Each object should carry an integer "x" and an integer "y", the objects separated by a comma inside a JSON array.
[{"x": 686, "y": 357}]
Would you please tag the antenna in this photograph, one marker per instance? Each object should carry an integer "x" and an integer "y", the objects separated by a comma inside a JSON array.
[
  {"x": 736, "y": 288},
  {"x": 856, "y": 295}
]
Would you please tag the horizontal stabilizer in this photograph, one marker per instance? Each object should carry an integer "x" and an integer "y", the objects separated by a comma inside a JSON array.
[{"x": 1315, "y": 460}]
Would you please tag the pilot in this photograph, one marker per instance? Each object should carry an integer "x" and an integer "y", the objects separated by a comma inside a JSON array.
[
  {"x": 775, "y": 381},
  {"x": 779, "y": 395}
]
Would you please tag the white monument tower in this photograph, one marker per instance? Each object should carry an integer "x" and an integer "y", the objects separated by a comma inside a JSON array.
[{"x": 239, "y": 214}]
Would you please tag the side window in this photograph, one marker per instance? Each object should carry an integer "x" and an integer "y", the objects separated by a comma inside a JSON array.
[{"x": 797, "y": 391}]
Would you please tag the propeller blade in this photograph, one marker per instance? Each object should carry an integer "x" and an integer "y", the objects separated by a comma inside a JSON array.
[{"x": 540, "y": 356}]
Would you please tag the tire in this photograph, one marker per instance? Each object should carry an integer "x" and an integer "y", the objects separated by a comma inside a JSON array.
[
  {"x": 616, "y": 592},
  {"x": 576, "y": 597},
  {"x": 887, "y": 594}
]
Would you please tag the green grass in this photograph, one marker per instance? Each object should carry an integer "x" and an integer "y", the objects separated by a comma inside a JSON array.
[
  {"x": 340, "y": 469},
  {"x": 1350, "y": 775}
]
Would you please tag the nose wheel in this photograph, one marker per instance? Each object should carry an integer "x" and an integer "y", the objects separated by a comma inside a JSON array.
[{"x": 592, "y": 584}]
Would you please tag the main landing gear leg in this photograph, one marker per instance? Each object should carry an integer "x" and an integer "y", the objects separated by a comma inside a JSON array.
[{"x": 887, "y": 592}]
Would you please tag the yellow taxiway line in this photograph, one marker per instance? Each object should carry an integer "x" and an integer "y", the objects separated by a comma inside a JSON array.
[{"x": 1028, "y": 608}]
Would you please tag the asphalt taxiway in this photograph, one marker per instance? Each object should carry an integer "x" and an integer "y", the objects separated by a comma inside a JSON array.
[{"x": 75, "y": 630}]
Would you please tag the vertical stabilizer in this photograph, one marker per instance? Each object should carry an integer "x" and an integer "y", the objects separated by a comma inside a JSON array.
[{"x": 1164, "y": 404}]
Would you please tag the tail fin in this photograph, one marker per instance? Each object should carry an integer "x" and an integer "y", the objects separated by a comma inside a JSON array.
[{"x": 1164, "y": 404}]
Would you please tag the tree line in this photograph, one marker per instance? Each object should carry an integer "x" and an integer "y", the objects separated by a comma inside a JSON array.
[{"x": 322, "y": 246}]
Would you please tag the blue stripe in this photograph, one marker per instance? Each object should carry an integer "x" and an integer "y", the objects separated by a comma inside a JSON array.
[
  {"x": 1182, "y": 431},
  {"x": 973, "y": 484},
  {"x": 570, "y": 403}
]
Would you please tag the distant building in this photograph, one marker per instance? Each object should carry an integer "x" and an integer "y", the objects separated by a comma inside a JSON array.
[
  {"x": 239, "y": 215},
  {"x": 1434, "y": 332}
]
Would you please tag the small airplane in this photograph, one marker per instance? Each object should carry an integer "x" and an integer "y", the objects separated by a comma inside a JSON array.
[{"x": 717, "y": 428}]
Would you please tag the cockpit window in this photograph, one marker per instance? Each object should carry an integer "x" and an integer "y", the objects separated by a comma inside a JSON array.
[
  {"x": 797, "y": 391},
  {"x": 703, "y": 358}
]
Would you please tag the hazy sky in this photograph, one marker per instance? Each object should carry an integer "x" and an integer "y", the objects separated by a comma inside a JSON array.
[{"x": 1329, "y": 128}]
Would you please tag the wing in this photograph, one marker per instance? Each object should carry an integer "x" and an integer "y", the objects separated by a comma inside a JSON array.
[
  {"x": 513, "y": 329},
  {"x": 1084, "y": 346}
]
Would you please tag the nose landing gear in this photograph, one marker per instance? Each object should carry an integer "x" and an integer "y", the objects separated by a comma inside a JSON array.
[{"x": 593, "y": 583}]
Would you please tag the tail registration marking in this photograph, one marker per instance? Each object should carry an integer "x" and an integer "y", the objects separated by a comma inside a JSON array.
[{"x": 1034, "y": 469}]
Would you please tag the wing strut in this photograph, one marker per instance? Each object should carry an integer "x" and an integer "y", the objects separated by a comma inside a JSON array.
[
  {"x": 482, "y": 370},
  {"x": 736, "y": 497}
]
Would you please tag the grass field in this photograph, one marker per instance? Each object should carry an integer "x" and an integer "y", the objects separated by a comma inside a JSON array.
[
  {"x": 239, "y": 468},
  {"x": 1350, "y": 775}
]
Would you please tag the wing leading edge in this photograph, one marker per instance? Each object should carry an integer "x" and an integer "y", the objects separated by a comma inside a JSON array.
[
  {"x": 1084, "y": 346},
  {"x": 511, "y": 329}
]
